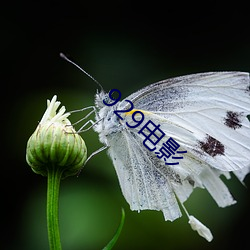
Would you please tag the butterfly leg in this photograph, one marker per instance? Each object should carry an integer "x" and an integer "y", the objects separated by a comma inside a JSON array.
[
  {"x": 83, "y": 109},
  {"x": 80, "y": 130},
  {"x": 94, "y": 153},
  {"x": 86, "y": 116}
]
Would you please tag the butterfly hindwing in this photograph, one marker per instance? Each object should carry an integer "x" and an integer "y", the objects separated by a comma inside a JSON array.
[{"x": 144, "y": 180}]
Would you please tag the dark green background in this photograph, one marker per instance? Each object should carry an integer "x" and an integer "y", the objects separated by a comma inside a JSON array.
[{"x": 124, "y": 45}]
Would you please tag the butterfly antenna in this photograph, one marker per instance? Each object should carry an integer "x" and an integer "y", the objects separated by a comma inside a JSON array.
[{"x": 90, "y": 76}]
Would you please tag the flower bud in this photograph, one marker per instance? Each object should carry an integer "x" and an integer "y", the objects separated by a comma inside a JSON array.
[{"x": 55, "y": 144}]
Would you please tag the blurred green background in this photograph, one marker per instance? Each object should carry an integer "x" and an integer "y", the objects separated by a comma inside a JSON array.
[{"x": 124, "y": 46}]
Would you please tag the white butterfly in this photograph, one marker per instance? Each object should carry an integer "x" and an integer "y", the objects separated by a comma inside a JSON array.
[{"x": 206, "y": 114}]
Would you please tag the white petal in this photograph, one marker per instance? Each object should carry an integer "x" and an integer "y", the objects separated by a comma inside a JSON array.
[
  {"x": 200, "y": 228},
  {"x": 51, "y": 115}
]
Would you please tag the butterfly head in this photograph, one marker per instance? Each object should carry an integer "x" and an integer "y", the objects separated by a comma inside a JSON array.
[{"x": 99, "y": 98}]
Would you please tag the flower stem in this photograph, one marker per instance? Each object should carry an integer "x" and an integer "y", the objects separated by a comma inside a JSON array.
[{"x": 54, "y": 177}]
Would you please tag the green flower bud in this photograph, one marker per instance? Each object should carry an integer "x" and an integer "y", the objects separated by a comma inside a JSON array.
[{"x": 55, "y": 144}]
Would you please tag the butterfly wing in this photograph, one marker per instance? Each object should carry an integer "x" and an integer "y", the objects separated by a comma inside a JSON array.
[
  {"x": 147, "y": 183},
  {"x": 212, "y": 106},
  {"x": 142, "y": 184},
  {"x": 206, "y": 115}
]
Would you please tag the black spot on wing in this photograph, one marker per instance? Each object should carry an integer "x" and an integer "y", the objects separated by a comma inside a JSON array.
[
  {"x": 212, "y": 146},
  {"x": 233, "y": 119},
  {"x": 248, "y": 117}
]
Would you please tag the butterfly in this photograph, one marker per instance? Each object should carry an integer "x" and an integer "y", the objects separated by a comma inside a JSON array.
[{"x": 205, "y": 114}]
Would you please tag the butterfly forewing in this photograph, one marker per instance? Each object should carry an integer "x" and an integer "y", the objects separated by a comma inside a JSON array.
[{"x": 211, "y": 107}]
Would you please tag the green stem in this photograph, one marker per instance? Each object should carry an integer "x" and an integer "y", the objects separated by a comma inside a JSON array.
[{"x": 54, "y": 177}]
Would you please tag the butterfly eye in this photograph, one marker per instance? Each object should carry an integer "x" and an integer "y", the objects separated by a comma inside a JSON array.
[{"x": 112, "y": 98}]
